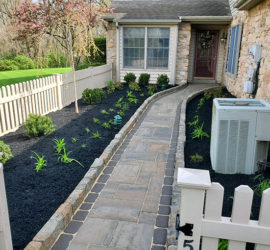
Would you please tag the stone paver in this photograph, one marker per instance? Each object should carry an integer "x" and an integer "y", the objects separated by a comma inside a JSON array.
[{"x": 129, "y": 206}]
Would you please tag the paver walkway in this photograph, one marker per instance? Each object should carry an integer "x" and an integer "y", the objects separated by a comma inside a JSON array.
[{"x": 129, "y": 206}]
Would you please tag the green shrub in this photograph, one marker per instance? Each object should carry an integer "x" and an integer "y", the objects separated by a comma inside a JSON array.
[
  {"x": 24, "y": 62},
  {"x": 144, "y": 79},
  {"x": 163, "y": 79},
  {"x": 57, "y": 61},
  {"x": 93, "y": 96},
  {"x": 38, "y": 125},
  {"x": 83, "y": 66},
  {"x": 130, "y": 77},
  {"x": 134, "y": 86},
  {"x": 118, "y": 85},
  {"x": 6, "y": 65},
  {"x": 5, "y": 149},
  {"x": 42, "y": 62}
]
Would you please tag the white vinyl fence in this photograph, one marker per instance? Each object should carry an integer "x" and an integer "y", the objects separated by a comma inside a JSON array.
[
  {"x": 46, "y": 95},
  {"x": 200, "y": 215},
  {"x": 5, "y": 234}
]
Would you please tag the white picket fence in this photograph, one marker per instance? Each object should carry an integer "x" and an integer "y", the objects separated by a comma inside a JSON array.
[
  {"x": 5, "y": 234},
  {"x": 46, "y": 95},
  {"x": 200, "y": 215}
]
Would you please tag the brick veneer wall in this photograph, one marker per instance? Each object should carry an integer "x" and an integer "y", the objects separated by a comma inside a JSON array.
[{"x": 256, "y": 30}]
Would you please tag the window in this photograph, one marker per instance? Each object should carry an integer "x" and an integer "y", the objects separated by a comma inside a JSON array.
[
  {"x": 235, "y": 34},
  {"x": 146, "y": 48},
  {"x": 134, "y": 47}
]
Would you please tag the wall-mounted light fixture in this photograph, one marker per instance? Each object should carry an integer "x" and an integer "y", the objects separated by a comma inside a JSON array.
[{"x": 223, "y": 38}]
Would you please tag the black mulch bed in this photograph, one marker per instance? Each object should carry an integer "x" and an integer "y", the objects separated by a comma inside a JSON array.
[
  {"x": 202, "y": 147},
  {"x": 34, "y": 197}
]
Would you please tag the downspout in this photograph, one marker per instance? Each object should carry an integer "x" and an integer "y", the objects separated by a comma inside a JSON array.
[{"x": 117, "y": 53}]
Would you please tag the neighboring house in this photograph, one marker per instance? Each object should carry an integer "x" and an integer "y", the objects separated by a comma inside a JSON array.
[{"x": 190, "y": 41}]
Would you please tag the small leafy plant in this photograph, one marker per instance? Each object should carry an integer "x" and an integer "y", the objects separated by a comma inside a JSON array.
[
  {"x": 133, "y": 100},
  {"x": 262, "y": 185},
  {"x": 163, "y": 80},
  {"x": 134, "y": 86},
  {"x": 6, "y": 152},
  {"x": 74, "y": 139},
  {"x": 104, "y": 112},
  {"x": 214, "y": 93},
  {"x": 196, "y": 158},
  {"x": 151, "y": 89},
  {"x": 59, "y": 145},
  {"x": 106, "y": 125},
  {"x": 38, "y": 125},
  {"x": 64, "y": 158},
  {"x": 142, "y": 94},
  {"x": 83, "y": 145},
  {"x": 195, "y": 122},
  {"x": 130, "y": 94},
  {"x": 111, "y": 110},
  {"x": 130, "y": 77},
  {"x": 96, "y": 135},
  {"x": 199, "y": 133},
  {"x": 144, "y": 79},
  {"x": 87, "y": 130},
  {"x": 119, "y": 102},
  {"x": 118, "y": 85},
  {"x": 96, "y": 120},
  {"x": 40, "y": 161},
  {"x": 121, "y": 113},
  {"x": 125, "y": 106},
  {"x": 201, "y": 102}
]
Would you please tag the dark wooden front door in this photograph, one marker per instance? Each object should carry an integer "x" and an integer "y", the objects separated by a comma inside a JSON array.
[{"x": 206, "y": 53}]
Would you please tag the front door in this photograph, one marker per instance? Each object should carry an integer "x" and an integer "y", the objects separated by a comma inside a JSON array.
[{"x": 206, "y": 54}]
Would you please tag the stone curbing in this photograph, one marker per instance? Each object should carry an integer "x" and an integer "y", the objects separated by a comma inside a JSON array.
[
  {"x": 49, "y": 233},
  {"x": 180, "y": 163}
]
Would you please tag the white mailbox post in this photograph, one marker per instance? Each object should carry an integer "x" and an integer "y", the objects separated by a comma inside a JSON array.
[
  {"x": 5, "y": 234},
  {"x": 193, "y": 185}
]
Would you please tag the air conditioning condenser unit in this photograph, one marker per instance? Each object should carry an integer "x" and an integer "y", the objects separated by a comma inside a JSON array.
[{"x": 240, "y": 134}]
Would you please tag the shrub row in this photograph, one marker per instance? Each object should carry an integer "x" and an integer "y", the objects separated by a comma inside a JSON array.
[{"x": 22, "y": 62}]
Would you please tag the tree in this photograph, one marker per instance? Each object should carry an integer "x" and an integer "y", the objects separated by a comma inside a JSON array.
[{"x": 70, "y": 22}]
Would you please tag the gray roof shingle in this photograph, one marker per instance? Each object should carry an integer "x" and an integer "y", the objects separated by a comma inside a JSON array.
[{"x": 170, "y": 9}]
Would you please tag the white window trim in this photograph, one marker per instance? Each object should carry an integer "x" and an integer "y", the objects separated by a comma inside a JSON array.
[{"x": 145, "y": 49}]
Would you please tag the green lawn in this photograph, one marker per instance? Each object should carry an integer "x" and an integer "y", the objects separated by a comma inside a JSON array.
[{"x": 16, "y": 76}]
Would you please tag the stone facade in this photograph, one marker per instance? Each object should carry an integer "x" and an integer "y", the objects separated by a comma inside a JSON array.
[
  {"x": 182, "y": 60},
  {"x": 256, "y": 30},
  {"x": 111, "y": 47}
]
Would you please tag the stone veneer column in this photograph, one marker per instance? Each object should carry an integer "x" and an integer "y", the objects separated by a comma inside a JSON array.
[
  {"x": 111, "y": 47},
  {"x": 182, "y": 60}
]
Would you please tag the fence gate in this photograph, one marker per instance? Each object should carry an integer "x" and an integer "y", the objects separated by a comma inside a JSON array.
[
  {"x": 201, "y": 209},
  {"x": 5, "y": 234}
]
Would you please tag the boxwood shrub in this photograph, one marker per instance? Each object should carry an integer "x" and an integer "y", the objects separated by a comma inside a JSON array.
[
  {"x": 144, "y": 79},
  {"x": 163, "y": 79},
  {"x": 130, "y": 77},
  {"x": 38, "y": 125},
  {"x": 93, "y": 96}
]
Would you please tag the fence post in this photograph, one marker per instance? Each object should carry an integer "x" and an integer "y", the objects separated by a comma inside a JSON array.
[
  {"x": 5, "y": 234},
  {"x": 193, "y": 185},
  {"x": 59, "y": 81}
]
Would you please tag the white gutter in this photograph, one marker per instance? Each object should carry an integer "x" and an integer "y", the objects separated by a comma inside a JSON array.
[
  {"x": 206, "y": 19},
  {"x": 246, "y": 4},
  {"x": 117, "y": 53}
]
